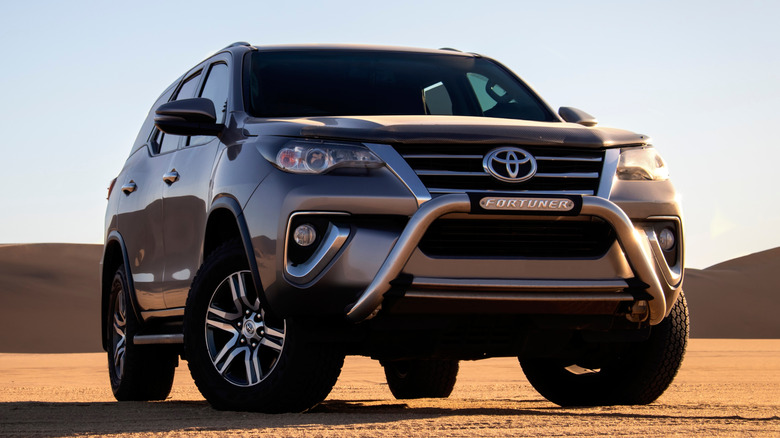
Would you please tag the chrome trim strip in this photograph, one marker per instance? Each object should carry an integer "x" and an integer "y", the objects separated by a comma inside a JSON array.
[
  {"x": 331, "y": 244},
  {"x": 530, "y": 192},
  {"x": 401, "y": 169},
  {"x": 165, "y": 313},
  {"x": 500, "y": 284},
  {"x": 479, "y": 157},
  {"x": 672, "y": 274},
  {"x": 608, "y": 172},
  {"x": 158, "y": 339},
  {"x": 371, "y": 299},
  {"x": 577, "y": 159},
  {"x": 585, "y": 175},
  {"x": 521, "y": 297},
  {"x": 448, "y": 173},
  {"x": 446, "y": 156},
  {"x": 637, "y": 249}
]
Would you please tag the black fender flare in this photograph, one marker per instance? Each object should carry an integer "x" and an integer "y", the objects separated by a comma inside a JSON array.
[
  {"x": 231, "y": 204},
  {"x": 115, "y": 236}
]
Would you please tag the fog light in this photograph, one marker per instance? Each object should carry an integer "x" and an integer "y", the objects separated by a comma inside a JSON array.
[
  {"x": 666, "y": 239},
  {"x": 305, "y": 235}
]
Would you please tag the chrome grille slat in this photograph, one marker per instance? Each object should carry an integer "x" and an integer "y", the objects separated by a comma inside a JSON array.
[
  {"x": 573, "y": 159},
  {"x": 449, "y": 173},
  {"x": 483, "y": 174},
  {"x": 437, "y": 156},
  {"x": 527, "y": 192},
  {"x": 567, "y": 175},
  {"x": 458, "y": 168}
]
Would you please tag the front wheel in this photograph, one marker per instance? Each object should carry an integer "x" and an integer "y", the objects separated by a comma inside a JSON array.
[
  {"x": 635, "y": 374},
  {"x": 240, "y": 356}
]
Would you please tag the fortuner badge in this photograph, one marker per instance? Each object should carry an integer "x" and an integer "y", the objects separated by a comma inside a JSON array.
[{"x": 527, "y": 204}]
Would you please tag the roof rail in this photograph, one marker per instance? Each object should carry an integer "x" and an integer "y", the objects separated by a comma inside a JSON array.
[
  {"x": 237, "y": 44},
  {"x": 450, "y": 49}
]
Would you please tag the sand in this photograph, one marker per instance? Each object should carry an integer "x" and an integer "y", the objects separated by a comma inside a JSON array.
[{"x": 725, "y": 388}]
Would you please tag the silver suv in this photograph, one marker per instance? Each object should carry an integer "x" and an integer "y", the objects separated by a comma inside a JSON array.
[{"x": 286, "y": 206}]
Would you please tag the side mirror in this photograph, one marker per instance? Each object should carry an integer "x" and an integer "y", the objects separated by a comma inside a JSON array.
[
  {"x": 574, "y": 115},
  {"x": 188, "y": 117}
]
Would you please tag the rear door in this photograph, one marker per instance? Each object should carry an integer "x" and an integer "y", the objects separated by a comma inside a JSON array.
[{"x": 140, "y": 216}]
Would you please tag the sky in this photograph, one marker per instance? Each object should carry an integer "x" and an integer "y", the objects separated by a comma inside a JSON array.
[{"x": 702, "y": 78}]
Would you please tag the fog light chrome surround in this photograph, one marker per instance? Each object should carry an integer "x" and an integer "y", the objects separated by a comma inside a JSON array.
[{"x": 331, "y": 238}]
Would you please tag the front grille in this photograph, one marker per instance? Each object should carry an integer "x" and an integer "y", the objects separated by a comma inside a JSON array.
[
  {"x": 517, "y": 238},
  {"x": 452, "y": 168}
]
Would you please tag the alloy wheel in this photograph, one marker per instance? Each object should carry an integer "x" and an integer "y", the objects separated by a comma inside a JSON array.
[
  {"x": 244, "y": 344},
  {"x": 119, "y": 338}
]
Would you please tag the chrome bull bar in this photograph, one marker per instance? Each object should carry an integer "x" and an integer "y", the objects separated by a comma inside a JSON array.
[{"x": 634, "y": 243}]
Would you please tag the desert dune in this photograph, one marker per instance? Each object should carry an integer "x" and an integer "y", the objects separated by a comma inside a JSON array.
[
  {"x": 52, "y": 291},
  {"x": 49, "y": 296},
  {"x": 737, "y": 298}
]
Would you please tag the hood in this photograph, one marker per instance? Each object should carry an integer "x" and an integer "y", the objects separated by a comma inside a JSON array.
[{"x": 446, "y": 129}]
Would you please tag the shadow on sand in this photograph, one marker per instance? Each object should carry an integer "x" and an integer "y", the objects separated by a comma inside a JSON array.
[{"x": 103, "y": 418}]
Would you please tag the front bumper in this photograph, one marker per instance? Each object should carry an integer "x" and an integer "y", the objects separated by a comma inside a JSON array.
[{"x": 640, "y": 247}]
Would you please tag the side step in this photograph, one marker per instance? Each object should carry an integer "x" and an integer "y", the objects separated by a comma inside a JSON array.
[{"x": 158, "y": 339}]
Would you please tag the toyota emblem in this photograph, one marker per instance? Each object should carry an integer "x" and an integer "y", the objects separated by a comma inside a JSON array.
[{"x": 509, "y": 164}]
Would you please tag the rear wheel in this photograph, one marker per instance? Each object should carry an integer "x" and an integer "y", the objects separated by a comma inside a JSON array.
[
  {"x": 137, "y": 372},
  {"x": 242, "y": 357},
  {"x": 409, "y": 379},
  {"x": 635, "y": 374}
]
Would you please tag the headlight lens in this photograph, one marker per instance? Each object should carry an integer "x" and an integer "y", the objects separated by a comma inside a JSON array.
[
  {"x": 300, "y": 156},
  {"x": 642, "y": 164}
]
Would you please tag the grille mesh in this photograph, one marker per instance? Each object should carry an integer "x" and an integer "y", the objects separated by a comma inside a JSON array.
[{"x": 517, "y": 238}]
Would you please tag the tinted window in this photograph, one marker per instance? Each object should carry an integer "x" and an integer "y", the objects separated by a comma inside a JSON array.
[
  {"x": 148, "y": 126},
  {"x": 342, "y": 83},
  {"x": 215, "y": 89},
  {"x": 188, "y": 88},
  {"x": 168, "y": 142},
  {"x": 437, "y": 100}
]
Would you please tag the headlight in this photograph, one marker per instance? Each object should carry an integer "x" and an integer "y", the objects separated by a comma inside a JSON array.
[
  {"x": 642, "y": 164},
  {"x": 299, "y": 156}
]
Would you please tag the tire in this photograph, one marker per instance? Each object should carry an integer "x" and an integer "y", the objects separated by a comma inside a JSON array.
[
  {"x": 137, "y": 372},
  {"x": 409, "y": 379},
  {"x": 636, "y": 374},
  {"x": 240, "y": 356}
]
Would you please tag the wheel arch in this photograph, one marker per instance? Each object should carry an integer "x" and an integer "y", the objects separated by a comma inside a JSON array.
[
  {"x": 114, "y": 255},
  {"x": 226, "y": 221}
]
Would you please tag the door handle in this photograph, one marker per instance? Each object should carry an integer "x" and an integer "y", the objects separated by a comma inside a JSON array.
[
  {"x": 129, "y": 187},
  {"x": 171, "y": 177}
]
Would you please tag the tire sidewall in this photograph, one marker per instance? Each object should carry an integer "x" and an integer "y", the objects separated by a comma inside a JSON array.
[{"x": 221, "y": 393}]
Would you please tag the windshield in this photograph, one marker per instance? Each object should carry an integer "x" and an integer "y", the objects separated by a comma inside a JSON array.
[{"x": 305, "y": 83}]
